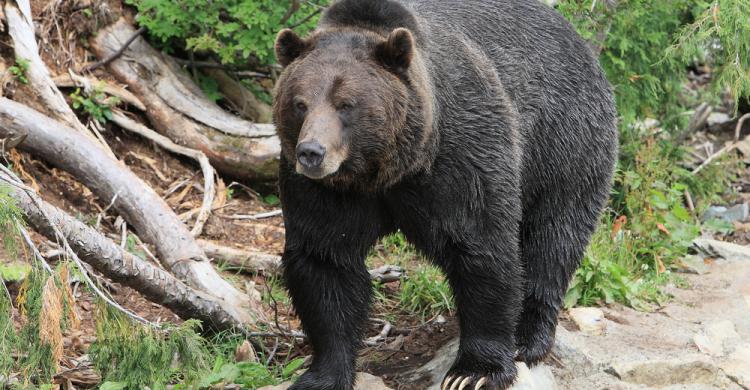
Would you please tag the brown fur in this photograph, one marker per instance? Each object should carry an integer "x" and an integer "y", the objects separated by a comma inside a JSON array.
[{"x": 362, "y": 104}]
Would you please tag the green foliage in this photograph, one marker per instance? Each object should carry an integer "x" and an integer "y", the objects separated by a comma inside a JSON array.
[
  {"x": 125, "y": 352},
  {"x": 721, "y": 36},
  {"x": 10, "y": 216},
  {"x": 636, "y": 33},
  {"x": 233, "y": 30},
  {"x": 646, "y": 47},
  {"x": 19, "y": 70},
  {"x": 271, "y": 200},
  {"x": 8, "y": 337},
  {"x": 14, "y": 272},
  {"x": 251, "y": 375},
  {"x": 425, "y": 292},
  {"x": 95, "y": 103}
]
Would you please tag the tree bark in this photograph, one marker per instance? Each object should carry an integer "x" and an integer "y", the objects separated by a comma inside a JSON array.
[
  {"x": 152, "y": 218},
  {"x": 179, "y": 110},
  {"x": 242, "y": 260},
  {"x": 21, "y": 31},
  {"x": 248, "y": 106},
  {"x": 108, "y": 258}
]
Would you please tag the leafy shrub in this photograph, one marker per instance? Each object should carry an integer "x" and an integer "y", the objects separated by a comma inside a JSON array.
[
  {"x": 95, "y": 103},
  {"x": 19, "y": 70},
  {"x": 646, "y": 47},
  {"x": 128, "y": 354},
  {"x": 233, "y": 30}
]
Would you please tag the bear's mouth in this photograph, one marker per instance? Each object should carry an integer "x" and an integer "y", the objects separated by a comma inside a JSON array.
[{"x": 328, "y": 168}]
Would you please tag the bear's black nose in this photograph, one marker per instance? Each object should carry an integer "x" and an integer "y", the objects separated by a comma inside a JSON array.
[{"x": 310, "y": 154}]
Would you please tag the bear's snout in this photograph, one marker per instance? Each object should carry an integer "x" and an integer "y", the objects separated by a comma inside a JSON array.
[{"x": 310, "y": 154}]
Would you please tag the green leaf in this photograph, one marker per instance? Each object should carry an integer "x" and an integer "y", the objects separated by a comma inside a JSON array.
[
  {"x": 292, "y": 367},
  {"x": 113, "y": 386}
]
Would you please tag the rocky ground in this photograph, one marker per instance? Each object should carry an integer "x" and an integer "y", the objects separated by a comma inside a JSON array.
[{"x": 700, "y": 340}]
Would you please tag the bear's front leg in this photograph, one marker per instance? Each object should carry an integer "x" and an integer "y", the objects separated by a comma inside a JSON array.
[
  {"x": 332, "y": 301},
  {"x": 488, "y": 293}
]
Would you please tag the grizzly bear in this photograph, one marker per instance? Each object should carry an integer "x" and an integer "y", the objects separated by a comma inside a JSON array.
[{"x": 484, "y": 130}]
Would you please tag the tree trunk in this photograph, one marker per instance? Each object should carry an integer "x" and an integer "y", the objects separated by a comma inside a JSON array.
[
  {"x": 21, "y": 31},
  {"x": 179, "y": 110},
  {"x": 115, "y": 263},
  {"x": 152, "y": 218}
]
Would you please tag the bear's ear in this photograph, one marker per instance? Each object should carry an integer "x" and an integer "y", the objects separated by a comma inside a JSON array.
[
  {"x": 397, "y": 51},
  {"x": 288, "y": 46}
]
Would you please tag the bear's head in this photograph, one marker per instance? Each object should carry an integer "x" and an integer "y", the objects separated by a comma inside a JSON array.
[{"x": 353, "y": 107}]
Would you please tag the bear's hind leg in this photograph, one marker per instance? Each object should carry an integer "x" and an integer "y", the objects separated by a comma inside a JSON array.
[
  {"x": 488, "y": 293},
  {"x": 553, "y": 240}
]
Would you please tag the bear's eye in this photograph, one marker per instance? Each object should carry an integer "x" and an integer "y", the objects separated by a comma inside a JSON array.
[
  {"x": 344, "y": 106},
  {"x": 301, "y": 106}
]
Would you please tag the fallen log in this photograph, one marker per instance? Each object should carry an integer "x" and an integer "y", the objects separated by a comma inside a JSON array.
[
  {"x": 105, "y": 256},
  {"x": 179, "y": 110},
  {"x": 139, "y": 204},
  {"x": 209, "y": 187},
  {"x": 240, "y": 259},
  {"x": 21, "y": 31},
  {"x": 241, "y": 99}
]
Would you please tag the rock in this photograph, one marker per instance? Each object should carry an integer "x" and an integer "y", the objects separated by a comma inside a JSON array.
[
  {"x": 711, "y": 339},
  {"x": 744, "y": 147},
  {"x": 687, "y": 370},
  {"x": 537, "y": 378},
  {"x": 718, "y": 118},
  {"x": 590, "y": 320},
  {"x": 570, "y": 349},
  {"x": 693, "y": 265},
  {"x": 725, "y": 250},
  {"x": 365, "y": 381},
  {"x": 736, "y": 213},
  {"x": 737, "y": 367}
]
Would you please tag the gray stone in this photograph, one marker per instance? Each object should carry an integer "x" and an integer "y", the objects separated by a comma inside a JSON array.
[
  {"x": 713, "y": 336},
  {"x": 693, "y": 265},
  {"x": 737, "y": 367},
  {"x": 537, "y": 378},
  {"x": 570, "y": 349},
  {"x": 364, "y": 382},
  {"x": 724, "y": 250},
  {"x": 589, "y": 320},
  {"x": 696, "y": 369},
  {"x": 718, "y": 118},
  {"x": 737, "y": 213}
]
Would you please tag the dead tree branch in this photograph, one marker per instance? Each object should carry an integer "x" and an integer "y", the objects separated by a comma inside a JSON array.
[
  {"x": 85, "y": 243},
  {"x": 115, "y": 55},
  {"x": 209, "y": 187},
  {"x": 242, "y": 260},
  {"x": 179, "y": 110},
  {"x": 21, "y": 30},
  {"x": 141, "y": 206}
]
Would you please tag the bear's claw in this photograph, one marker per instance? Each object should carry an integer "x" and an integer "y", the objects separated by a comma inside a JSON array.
[{"x": 460, "y": 382}]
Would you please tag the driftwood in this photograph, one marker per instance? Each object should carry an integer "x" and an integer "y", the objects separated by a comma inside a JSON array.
[
  {"x": 241, "y": 259},
  {"x": 21, "y": 31},
  {"x": 179, "y": 110},
  {"x": 121, "y": 266},
  {"x": 241, "y": 99},
  {"x": 151, "y": 217}
]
